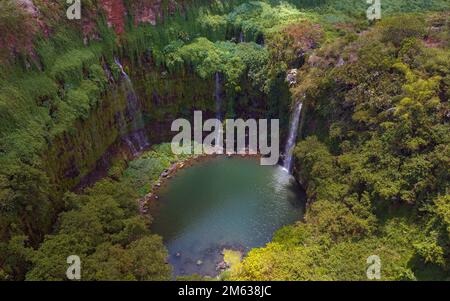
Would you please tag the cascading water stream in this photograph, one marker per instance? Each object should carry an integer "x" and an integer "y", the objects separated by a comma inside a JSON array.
[
  {"x": 136, "y": 140},
  {"x": 241, "y": 37},
  {"x": 219, "y": 103},
  {"x": 292, "y": 138}
]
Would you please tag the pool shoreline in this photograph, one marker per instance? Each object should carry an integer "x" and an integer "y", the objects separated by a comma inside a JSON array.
[{"x": 199, "y": 223}]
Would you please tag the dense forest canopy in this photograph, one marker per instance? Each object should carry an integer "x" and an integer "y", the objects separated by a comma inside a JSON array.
[{"x": 374, "y": 151}]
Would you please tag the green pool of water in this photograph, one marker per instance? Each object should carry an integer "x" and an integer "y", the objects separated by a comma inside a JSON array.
[{"x": 222, "y": 203}]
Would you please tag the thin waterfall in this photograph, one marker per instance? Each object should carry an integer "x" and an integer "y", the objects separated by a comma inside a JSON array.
[
  {"x": 219, "y": 104},
  {"x": 241, "y": 37},
  {"x": 131, "y": 145},
  {"x": 292, "y": 138},
  {"x": 133, "y": 106},
  {"x": 124, "y": 74},
  {"x": 136, "y": 140}
]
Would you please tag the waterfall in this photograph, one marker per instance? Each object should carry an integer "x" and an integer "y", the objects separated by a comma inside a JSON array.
[
  {"x": 241, "y": 37},
  {"x": 130, "y": 145},
  {"x": 219, "y": 104},
  {"x": 292, "y": 138},
  {"x": 136, "y": 140},
  {"x": 124, "y": 74}
]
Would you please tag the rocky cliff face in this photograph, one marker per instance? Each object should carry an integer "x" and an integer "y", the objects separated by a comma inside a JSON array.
[
  {"x": 115, "y": 14},
  {"x": 19, "y": 21},
  {"x": 23, "y": 20},
  {"x": 143, "y": 11}
]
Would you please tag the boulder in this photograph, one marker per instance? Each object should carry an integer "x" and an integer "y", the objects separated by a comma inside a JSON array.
[
  {"x": 222, "y": 266},
  {"x": 291, "y": 77}
]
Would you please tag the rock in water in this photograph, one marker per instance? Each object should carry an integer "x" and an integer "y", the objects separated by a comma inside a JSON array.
[{"x": 222, "y": 266}]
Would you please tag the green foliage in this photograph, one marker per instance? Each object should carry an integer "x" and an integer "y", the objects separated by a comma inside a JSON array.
[
  {"x": 299, "y": 253},
  {"x": 338, "y": 221},
  {"x": 339, "y": 11},
  {"x": 144, "y": 171},
  {"x": 256, "y": 18},
  {"x": 69, "y": 67},
  {"x": 17, "y": 27},
  {"x": 149, "y": 259},
  {"x": 381, "y": 119},
  {"x": 15, "y": 256},
  {"x": 396, "y": 29},
  {"x": 317, "y": 163},
  {"x": 377, "y": 178},
  {"x": 25, "y": 194},
  {"x": 277, "y": 262},
  {"x": 50, "y": 261},
  {"x": 79, "y": 101},
  {"x": 443, "y": 212},
  {"x": 142, "y": 260},
  {"x": 103, "y": 228},
  {"x": 232, "y": 60}
]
